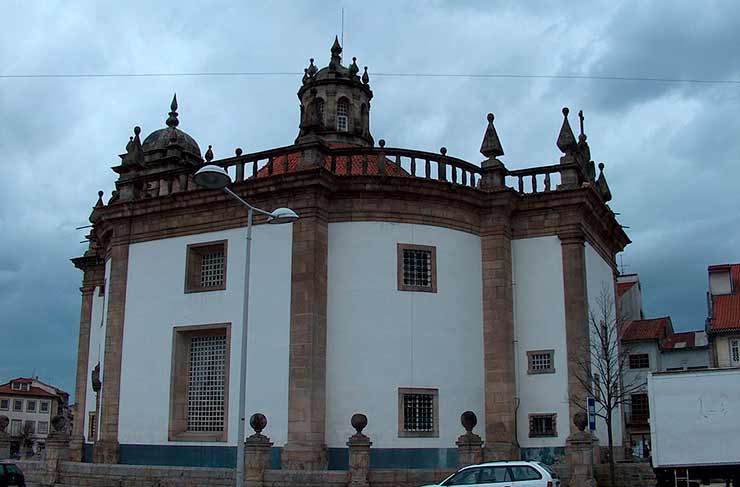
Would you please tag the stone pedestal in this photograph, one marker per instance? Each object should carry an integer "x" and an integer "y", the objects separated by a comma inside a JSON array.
[
  {"x": 257, "y": 451},
  {"x": 105, "y": 451},
  {"x": 582, "y": 453},
  {"x": 57, "y": 445},
  {"x": 76, "y": 451},
  {"x": 469, "y": 445},
  {"x": 359, "y": 460}
]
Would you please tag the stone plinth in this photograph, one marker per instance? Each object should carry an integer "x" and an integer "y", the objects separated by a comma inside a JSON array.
[
  {"x": 469, "y": 445},
  {"x": 56, "y": 451},
  {"x": 105, "y": 451},
  {"x": 257, "y": 450},
  {"x": 359, "y": 460},
  {"x": 582, "y": 453}
]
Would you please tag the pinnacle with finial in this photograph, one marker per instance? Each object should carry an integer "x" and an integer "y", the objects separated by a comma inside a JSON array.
[
  {"x": 582, "y": 136},
  {"x": 353, "y": 68},
  {"x": 172, "y": 120},
  {"x": 336, "y": 54},
  {"x": 209, "y": 153},
  {"x": 365, "y": 77},
  {"x": 100, "y": 200},
  {"x": 336, "y": 47},
  {"x": 566, "y": 140},
  {"x": 491, "y": 146},
  {"x": 312, "y": 69}
]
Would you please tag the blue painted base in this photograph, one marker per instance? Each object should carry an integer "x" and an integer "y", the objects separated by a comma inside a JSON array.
[
  {"x": 547, "y": 455},
  {"x": 181, "y": 456}
]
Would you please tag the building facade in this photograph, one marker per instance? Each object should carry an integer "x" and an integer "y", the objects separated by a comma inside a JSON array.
[
  {"x": 414, "y": 286},
  {"x": 723, "y": 319},
  {"x": 29, "y": 405}
]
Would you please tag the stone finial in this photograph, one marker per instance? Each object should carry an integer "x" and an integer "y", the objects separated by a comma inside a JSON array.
[
  {"x": 59, "y": 423},
  {"x": 601, "y": 185},
  {"x": 358, "y": 422},
  {"x": 491, "y": 145},
  {"x": 365, "y": 77},
  {"x": 209, "y": 154},
  {"x": 353, "y": 68},
  {"x": 582, "y": 135},
  {"x": 381, "y": 143},
  {"x": 312, "y": 69},
  {"x": 238, "y": 151},
  {"x": 99, "y": 203},
  {"x": 580, "y": 419},
  {"x": 3, "y": 423},
  {"x": 566, "y": 140},
  {"x": 468, "y": 419},
  {"x": 172, "y": 120},
  {"x": 336, "y": 53},
  {"x": 305, "y": 76},
  {"x": 258, "y": 422},
  {"x": 443, "y": 150}
]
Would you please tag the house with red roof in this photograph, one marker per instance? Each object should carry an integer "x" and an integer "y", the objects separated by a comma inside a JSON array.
[
  {"x": 29, "y": 405},
  {"x": 723, "y": 320}
]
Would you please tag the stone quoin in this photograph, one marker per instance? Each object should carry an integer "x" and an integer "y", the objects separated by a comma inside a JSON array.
[{"x": 414, "y": 287}]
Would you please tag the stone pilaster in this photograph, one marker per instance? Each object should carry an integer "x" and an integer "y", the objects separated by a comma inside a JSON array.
[
  {"x": 305, "y": 448},
  {"x": 498, "y": 335},
  {"x": 576, "y": 312},
  {"x": 94, "y": 271},
  {"x": 106, "y": 448}
]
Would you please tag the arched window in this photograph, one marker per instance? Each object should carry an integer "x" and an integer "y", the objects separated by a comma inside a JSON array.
[
  {"x": 342, "y": 115},
  {"x": 320, "y": 109}
]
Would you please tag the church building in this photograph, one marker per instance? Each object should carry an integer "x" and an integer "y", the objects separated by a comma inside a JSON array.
[{"x": 413, "y": 287}]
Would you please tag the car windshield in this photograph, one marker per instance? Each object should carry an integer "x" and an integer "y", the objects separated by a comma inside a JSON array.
[
  {"x": 549, "y": 470},
  {"x": 12, "y": 469}
]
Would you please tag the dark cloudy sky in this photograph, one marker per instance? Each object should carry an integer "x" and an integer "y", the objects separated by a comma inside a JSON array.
[{"x": 672, "y": 150}]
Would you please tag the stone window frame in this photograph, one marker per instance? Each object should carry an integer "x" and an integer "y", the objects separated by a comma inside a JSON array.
[
  {"x": 193, "y": 255},
  {"x": 551, "y": 434},
  {"x": 402, "y": 433},
  {"x": 92, "y": 424},
  {"x": 41, "y": 406},
  {"x": 45, "y": 429},
  {"x": 30, "y": 402},
  {"x": 635, "y": 362},
  {"x": 530, "y": 357},
  {"x": 179, "y": 372},
  {"x": 7, "y": 404},
  {"x": 15, "y": 402},
  {"x": 400, "y": 247}
]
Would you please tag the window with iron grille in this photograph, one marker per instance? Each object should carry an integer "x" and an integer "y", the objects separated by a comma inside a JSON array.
[
  {"x": 200, "y": 383},
  {"x": 91, "y": 426},
  {"x": 417, "y": 268},
  {"x": 639, "y": 408},
  {"x": 541, "y": 362},
  {"x": 206, "y": 267},
  {"x": 206, "y": 383},
  {"x": 342, "y": 115},
  {"x": 542, "y": 425},
  {"x": 639, "y": 361},
  {"x": 418, "y": 412},
  {"x": 735, "y": 351}
]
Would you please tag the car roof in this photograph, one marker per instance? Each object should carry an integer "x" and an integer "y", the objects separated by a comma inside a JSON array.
[{"x": 514, "y": 463}]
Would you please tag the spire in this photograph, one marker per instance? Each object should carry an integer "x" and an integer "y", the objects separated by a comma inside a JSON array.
[
  {"x": 566, "y": 140},
  {"x": 353, "y": 68},
  {"x": 365, "y": 77},
  {"x": 491, "y": 146},
  {"x": 172, "y": 120},
  {"x": 336, "y": 53}
]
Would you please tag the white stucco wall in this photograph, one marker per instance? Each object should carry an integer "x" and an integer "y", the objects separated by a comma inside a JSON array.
[
  {"x": 380, "y": 339},
  {"x": 539, "y": 312},
  {"x": 96, "y": 348},
  {"x": 600, "y": 278},
  {"x": 156, "y": 302}
]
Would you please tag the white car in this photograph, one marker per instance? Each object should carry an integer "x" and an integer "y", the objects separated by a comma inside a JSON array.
[{"x": 503, "y": 474}]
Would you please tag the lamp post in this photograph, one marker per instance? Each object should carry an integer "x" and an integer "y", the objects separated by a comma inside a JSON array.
[{"x": 216, "y": 177}]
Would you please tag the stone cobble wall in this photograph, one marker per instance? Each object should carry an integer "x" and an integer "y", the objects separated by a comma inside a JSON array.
[
  {"x": 305, "y": 478},
  {"x": 626, "y": 475},
  {"x": 406, "y": 478}
]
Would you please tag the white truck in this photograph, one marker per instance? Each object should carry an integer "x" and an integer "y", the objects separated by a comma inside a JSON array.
[{"x": 695, "y": 427}]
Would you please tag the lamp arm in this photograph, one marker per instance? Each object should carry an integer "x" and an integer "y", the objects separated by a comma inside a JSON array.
[{"x": 245, "y": 203}]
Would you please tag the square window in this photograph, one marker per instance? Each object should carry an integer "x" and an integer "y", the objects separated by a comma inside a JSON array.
[
  {"x": 205, "y": 269},
  {"x": 639, "y": 361},
  {"x": 31, "y": 406},
  {"x": 43, "y": 427},
  {"x": 417, "y": 268},
  {"x": 542, "y": 425},
  {"x": 418, "y": 413},
  {"x": 541, "y": 362},
  {"x": 4, "y": 404},
  {"x": 17, "y": 405},
  {"x": 25, "y": 387},
  {"x": 15, "y": 427},
  {"x": 16, "y": 386},
  {"x": 199, "y": 383},
  {"x": 44, "y": 406}
]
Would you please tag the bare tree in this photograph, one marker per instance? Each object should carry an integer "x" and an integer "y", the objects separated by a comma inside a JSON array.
[{"x": 600, "y": 368}]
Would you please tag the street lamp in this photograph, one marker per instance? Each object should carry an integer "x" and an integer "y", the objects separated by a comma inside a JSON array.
[{"x": 216, "y": 177}]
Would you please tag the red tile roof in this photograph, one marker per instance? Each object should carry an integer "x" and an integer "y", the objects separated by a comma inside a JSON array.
[
  {"x": 687, "y": 337},
  {"x": 726, "y": 307},
  {"x": 278, "y": 165},
  {"x": 623, "y": 287},
  {"x": 649, "y": 329},
  {"x": 33, "y": 390}
]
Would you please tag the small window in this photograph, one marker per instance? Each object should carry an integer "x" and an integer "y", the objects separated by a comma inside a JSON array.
[
  {"x": 30, "y": 426},
  {"x": 206, "y": 267},
  {"x": 15, "y": 427},
  {"x": 342, "y": 115},
  {"x": 639, "y": 361},
  {"x": 541, "y": 362},
  {"x": 417, "y": 268},
  {"x": 542, "y": 425},
  {"x": 44, "y": 406},
  {"x": 17, "y": 405},
  {"x": 639, "y": 408},
  {"x": 4, "y": 404},
  {"x": 25, "y": 387},
  {"x": 30, "y": 406},
  {"x": 91, "y": 426},
  {"x": 466, "y": 477},
  {"x": 418, "y": 413},
  {"x": 16, "y": 386},
  {"x": 735, "y": 351},
  {"x": 43, "y": 427}
]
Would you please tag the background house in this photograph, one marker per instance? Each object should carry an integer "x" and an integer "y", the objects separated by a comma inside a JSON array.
[{"x": 723, "y": 320}]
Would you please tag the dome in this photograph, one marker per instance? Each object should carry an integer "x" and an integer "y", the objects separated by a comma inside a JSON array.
[
  {"x": 171, "y": 135},
  {"x": 160, "y": 139}
]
